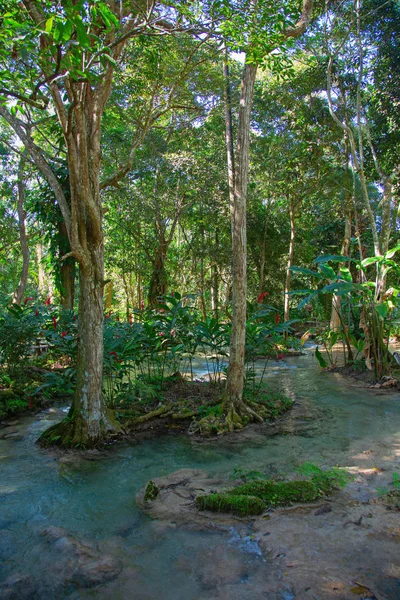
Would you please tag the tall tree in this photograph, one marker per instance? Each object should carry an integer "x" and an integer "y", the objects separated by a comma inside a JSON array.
[
  {"x": 73, "y": 50},
  {"x": 256, "y": 46}
]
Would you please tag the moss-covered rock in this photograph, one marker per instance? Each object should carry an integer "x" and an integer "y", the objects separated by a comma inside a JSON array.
[
  {"x": 279, "y": 493},
  {"x": 151, "y": 492},
  {"x": 254, "y": 497},
  {"x": 229, "y": 503}
]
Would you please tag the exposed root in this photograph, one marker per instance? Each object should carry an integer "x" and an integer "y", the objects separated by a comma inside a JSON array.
[
  {"x": 163, "y": 412},
  {"x": 234, "y": 416},
  {"x": 73, "y": 432}
]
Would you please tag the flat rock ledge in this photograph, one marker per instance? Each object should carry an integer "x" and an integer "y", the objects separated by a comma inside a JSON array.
[{"x": 340, "y": 548}]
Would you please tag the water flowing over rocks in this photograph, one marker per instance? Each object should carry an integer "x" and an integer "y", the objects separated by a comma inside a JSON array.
[{"x": 336, "y": 549}]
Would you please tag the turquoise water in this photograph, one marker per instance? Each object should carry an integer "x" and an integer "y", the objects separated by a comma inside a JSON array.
[{"x": 94, "y": 499}]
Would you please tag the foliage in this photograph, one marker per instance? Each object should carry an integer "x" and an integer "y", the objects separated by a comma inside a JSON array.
[
  {"x": 18, "y": 330},
  {"x": 376, "y": 313}
]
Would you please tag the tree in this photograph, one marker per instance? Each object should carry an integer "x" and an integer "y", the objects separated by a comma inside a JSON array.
[
  {"x": 74, "y": 50},
  {"x": 258, "y": 45}
]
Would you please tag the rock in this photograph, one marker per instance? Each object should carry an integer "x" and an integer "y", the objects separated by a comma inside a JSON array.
[
  {"x": 174, "y": 502},
  {"x": 389, "y": 382},
  {"x": 219, "y": 567},
  {"x": 11, "y": 435},
  {"x": 18, "y": 587},
  {"x": 84, "y": 564},
  {"x": 326, "y": 508}
]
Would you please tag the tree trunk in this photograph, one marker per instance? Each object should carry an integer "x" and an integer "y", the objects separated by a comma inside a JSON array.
[
  {"x": 236, "y": 370},
  {"x": 67, "y": 276},
  {"x": 262, "y": 256},
  {"x": 215, "y": 279},
  {"x": 67, "y": 270},
  {"x": 290, "y": 261},
  {"x": 336, "y": 300},
  {"x": 158, "y": 281},
  {"x": 20, "y": 291},
  {"x": 91, "y": 418},
  {"x": 41, "y": 275}
]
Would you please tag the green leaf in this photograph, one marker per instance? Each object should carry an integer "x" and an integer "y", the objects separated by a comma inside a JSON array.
[
  {"x": 320, "y": 358},
  {"x": 369, "y": 261},
  {"x": 392, "y": 252},
  {"x": 307, "y": 300},
  {"x": 327, "y": 271},
  {"x": 333, "y": 258},
  {"x": 345, "y": 274},
  {"x": 49, "y": 24},
  {"x": 82, "y": 34},
  {"x": 340, "y": 287},
  {"x": 382, "y": 309},
  {"x": 305, "y": 271}
]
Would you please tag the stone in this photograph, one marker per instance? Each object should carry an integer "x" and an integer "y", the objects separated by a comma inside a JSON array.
[
  {"x": 84, "y": 564},
  {"x": 17, "y": 587}
]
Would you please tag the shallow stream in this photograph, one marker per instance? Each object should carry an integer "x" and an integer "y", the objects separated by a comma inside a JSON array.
[{"x": 95, "y": 499}]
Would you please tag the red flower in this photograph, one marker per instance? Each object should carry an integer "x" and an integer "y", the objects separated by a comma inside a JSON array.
[
  {"x": 28, "y": 300},
  {"x": 48, "y": 301},
  {"x": 280, "y": 356},
  {"x": 277, "y": 319},
  {"x": 37, "y": 312},
  {"x": 54, "y": 322},
  {"x": 261, "y": 297},
  {"x": 64, "y": 333}
]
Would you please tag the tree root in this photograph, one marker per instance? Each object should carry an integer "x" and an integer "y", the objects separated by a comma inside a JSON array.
[
  {"x": 234, "y": 416},
  {"x": 73, "y": 432},
  {"x": 162, "y": 411}
]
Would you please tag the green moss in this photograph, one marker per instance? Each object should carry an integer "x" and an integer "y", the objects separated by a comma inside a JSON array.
[
  {"x": 151, "y": 492},
  {"x": 276, "y": 493},
  {"x": 327, "y": 481},
  {"x": 229, "y": 503}
]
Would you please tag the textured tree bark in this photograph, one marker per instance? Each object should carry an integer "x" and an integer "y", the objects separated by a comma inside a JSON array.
[
  {"x": 215, "y": 279},
  {"x": 41, "y": 275},
  {"x": 67, "y": 270},
  {"x": 262, "y": 256},
  {"x": 158, "y": 280},
  {"x": 236, "y": 369},
  {"x": 290, "y": 261},
  {"x": 20, "y": 291},
  {"x": 344, "y": 251},
  {"x": 67, "y": 276}
]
